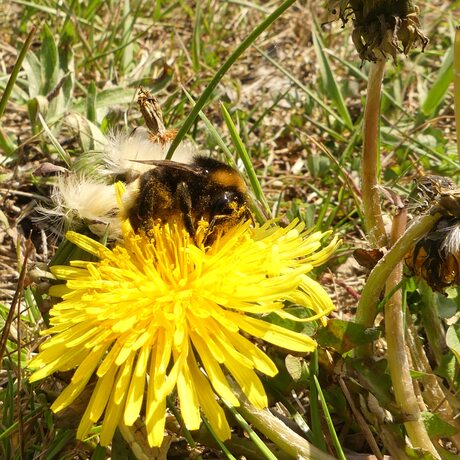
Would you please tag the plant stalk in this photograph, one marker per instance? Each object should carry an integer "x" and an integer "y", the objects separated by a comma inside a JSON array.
[
  {"x": 275, "y": 430},
  {"x": 373, "y": 219},
  {"x": 457, "y": 87},
  {"x": 398, "y": 361},
  {"x": 434, "y": 394},
  {"x": 368, "y": 303}
]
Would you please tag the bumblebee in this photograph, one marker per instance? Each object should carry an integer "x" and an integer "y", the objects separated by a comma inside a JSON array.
[
  {"x": 206, "y": 189},
  {"x": 184, "y": 193}
]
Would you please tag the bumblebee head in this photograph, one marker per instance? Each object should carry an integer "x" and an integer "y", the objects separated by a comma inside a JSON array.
[{"x": 227, "y": 203}]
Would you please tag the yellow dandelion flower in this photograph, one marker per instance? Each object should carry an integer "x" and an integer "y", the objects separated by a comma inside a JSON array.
[{"x": 163, "y": 313}]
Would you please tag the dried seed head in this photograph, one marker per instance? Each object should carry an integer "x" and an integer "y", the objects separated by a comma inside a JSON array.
[
  {"x": 436, "y": 256},
  {"x": 381, "y": 27}
]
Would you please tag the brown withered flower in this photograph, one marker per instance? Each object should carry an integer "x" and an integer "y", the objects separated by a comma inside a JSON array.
[
  {"x": 436, "y": 256},
  {"x": 381, "y": 27}
]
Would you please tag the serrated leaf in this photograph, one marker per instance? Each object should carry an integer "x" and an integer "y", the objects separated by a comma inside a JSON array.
[
  {"x": 49, "y": 62},
  {"x": 343, "y": 336}
]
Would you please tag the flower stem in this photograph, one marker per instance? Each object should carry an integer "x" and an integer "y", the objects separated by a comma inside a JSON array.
[
  {"x": 398, "y": 361},
  {"x": 435, "y": 395},
  {"x": 275, "y": 430},
  {"x": 373, "y": 219},
  {"x": 368, "y": 303},
  {"x": 457, "y": 86}
]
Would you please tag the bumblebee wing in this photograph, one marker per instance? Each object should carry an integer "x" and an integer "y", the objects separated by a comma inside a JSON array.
[{"x": 194, "y": 169}]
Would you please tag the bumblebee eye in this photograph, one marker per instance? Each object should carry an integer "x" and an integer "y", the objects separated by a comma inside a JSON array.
[{"x": 221, "y": 206}]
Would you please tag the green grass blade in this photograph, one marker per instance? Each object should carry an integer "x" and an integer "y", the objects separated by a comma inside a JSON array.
[
  {"x": 16, "y": 68},
  {"x": 55, "y": 12},
  {"x": 222, "y": 446},
  {"x": 330, "y": 423},
  {"x": 243, "y": 154},
  {"x": 249, "y": 5},
  {"x": 329, "y": 81},
  {"x": 61, "y": 152},
  {"x": 223, "y": 70},
  {"x": 437, "y": 92},
  {"x": 457, "y": 87},
  {"x": 185, "y": 431},
  {"x": 91, "y": 102},
  {"x": 264, "y": 450},
  {"x": 298, "y": 83},
  {"x": 196, "y": 41},
  {"x": 213, "y": 132},
  {"x": 49, "y": 61},
  {"x": 59, "y": 443},
  {"x": 127, "y": 51},
  {"x": 315, "y": 415},
  {"x": 6, "y": 144}
]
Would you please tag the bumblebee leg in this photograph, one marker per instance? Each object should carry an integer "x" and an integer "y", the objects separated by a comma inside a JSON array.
[
  {"x": 155, "y": 200},
  {"x": 185, "y": 204}
]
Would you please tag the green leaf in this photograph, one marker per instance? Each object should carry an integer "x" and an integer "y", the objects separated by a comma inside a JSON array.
[
  {"x": 91, "y": 137},
  {"x": 296, "y": 368},
  {"x": 61, "y": 439},
  {"x": 100, "y": 453},
  {"x": 67, "y": 68},
  {"x": 453, "y": 340},
  {"x": 343, "y": 336},
  {"x": 36, "y": 105},
  {"x": 6, "y": 143},
  {"x": 108, "y": 98},
  {"x": 91, "y": 102},
  {"x": 309, "y": 327},
  {"x": 373, "y": 377},
  {"x": 447, "y": 367},
  {"x": 437, "y": 427},
  {"x": 127, "y": 47},
  {"x": 447, "y": 307},
  {"x": 31, "y": 66},
  {"x": 49, "y": 62},
  {"x": 436, "y": 93},
  {"x": 329, "y": 81}
]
